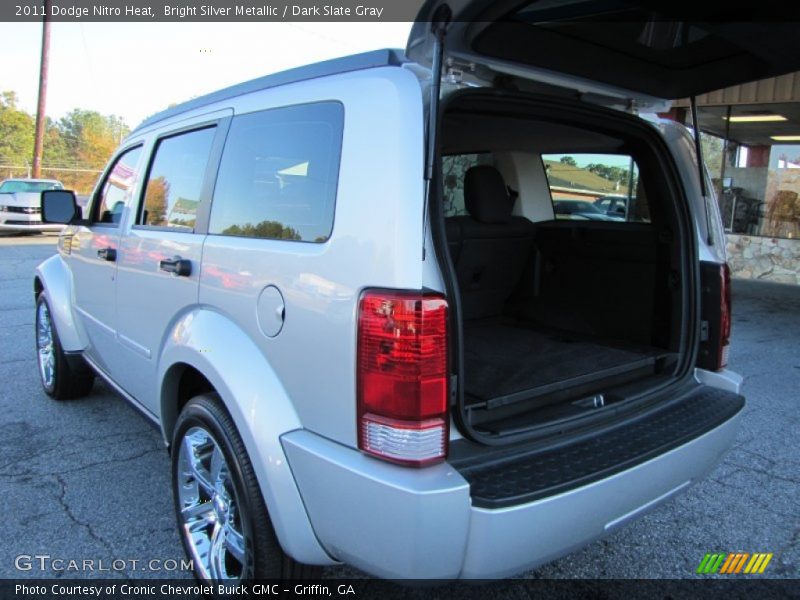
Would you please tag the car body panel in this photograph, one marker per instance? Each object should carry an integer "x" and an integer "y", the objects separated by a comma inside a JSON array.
[
  {"x": 261, "y": 410},
  {"x": 321, "y": 282},
  {"x": 56, "y": 279},
  {"x": 405, "y": 519},
  {"x": 410, "y": 522},
  {"x": 724, "y": 379},
  {"x": 150, "y": 300}
]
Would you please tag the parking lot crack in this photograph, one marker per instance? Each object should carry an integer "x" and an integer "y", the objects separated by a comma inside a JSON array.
[
  {"x": 110, "y": 461},
  {"x": 62, "y": 500},
  {"x": 84, "y": 467},
  {"x": 783, "y": 459},
  {"x": 769, "y": 474}
]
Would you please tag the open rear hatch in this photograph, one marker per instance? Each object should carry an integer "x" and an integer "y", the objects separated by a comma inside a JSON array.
[
  {"x": 627, "y": 49},
  {"x": 625, "y": 55}
]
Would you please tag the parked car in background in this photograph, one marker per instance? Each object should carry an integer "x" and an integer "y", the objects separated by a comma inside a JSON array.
[
  {"x": 615, "y": 206},
  {"x": 19, "y": 204},
  {"x": 582, "y": 209}
]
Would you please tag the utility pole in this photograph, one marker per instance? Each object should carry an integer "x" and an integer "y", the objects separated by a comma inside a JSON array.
[{"x": 40, "y": 110}]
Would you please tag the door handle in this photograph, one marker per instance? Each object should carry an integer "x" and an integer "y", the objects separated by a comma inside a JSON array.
[
  {"x": 109, "y": 254},
  {"x": 177, "y": 266}
]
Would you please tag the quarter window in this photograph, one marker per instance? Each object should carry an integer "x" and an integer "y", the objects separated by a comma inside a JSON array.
[
  {"x": 596, "y": 187},
  {"x": 278, "y": 174},
  {"x": 175, "y": 180},
  {"x": 116, "y": 189},
  {"x": 454, "y": 167}
]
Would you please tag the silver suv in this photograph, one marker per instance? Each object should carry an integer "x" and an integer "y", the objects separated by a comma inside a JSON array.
[{"x": 343, "y": 296}]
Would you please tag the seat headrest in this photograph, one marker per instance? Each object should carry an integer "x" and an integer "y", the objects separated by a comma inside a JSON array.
[{"x": 485, "y": 195}]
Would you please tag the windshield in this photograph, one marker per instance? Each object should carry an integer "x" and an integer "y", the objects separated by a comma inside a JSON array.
[{"x": 16, "y": 185}]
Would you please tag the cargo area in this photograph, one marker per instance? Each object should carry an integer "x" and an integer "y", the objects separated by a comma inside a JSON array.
[{"x": 567, "y": 303}]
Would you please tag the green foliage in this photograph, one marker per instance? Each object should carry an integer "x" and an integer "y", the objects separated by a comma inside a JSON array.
[
  {"x": 83, "y": 139},
  {"x": 273, "y": 230},
  {"x": 615, "y": 174},
  {"x": 16, "y": 132},
  {"x": 712, "y": 153},
  {"x": 594, "y": 177},
  {"x": 155, "y": 201},
  {"x": 568, "y": 160},
  {"x": 91, "y": 137}
]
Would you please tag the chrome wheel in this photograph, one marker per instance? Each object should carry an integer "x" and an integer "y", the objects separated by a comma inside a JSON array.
[
  {"x": 45, "y": 346},
  {"x": 209, "y": 513}
]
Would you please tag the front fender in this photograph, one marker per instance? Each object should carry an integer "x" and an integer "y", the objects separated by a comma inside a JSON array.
[
  {"x": 256, "y": 400},
  {"x": 56, "y": 280}
]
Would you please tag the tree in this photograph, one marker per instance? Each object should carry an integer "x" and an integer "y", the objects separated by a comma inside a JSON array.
[
  {"x": 9, "y": 99},
  {"x": 91, "y": 137},
  {"x": 16, "y": 132},
  {"x": 618, "y": 175},
  {"x": 82, "y": 140},
  {"x": 712, "y": 153},
  {"x": 155, "y": 201},
  {"x": 265, "y": 229},
  {"x": 568, "y": 160},
  {"x": 56, "y": 151}
]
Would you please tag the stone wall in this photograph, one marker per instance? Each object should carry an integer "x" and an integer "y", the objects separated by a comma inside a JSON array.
[{"x": 770, "y": 259}]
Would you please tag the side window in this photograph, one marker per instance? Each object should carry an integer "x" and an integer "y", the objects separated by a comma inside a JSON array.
[
  {"x": 454, "y": 166},
  {"x": 175, "y": 180},
  {"x": 116, "y": 189},
  {"x": 278, "y": 174},
  {"x": 596, "y": 187}
]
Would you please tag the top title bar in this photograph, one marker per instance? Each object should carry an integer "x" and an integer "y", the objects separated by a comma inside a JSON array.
[
  {"x": 150, "y": 11},
  {"x": 207, "y": 10}
]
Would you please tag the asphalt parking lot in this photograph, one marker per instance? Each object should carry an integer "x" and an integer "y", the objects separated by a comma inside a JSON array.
[{"x": 89, "y": 479}]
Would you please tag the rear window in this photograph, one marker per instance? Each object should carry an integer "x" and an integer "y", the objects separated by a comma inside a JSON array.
[
  {"x": 596, "y": 187},
  {"x": 278, "y": 174}
]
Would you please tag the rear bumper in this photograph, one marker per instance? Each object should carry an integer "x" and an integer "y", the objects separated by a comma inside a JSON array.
[
  {"x": 724, "y": 379},
  {"x": 402, "y": 523}
]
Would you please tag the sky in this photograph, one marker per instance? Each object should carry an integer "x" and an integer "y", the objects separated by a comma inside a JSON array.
[{"x": 133, "y": 70}]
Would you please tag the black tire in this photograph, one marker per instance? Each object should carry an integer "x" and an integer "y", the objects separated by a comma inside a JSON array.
[
  {"x": 66, "y": 382},
  {"x": 264, "y": 557}
]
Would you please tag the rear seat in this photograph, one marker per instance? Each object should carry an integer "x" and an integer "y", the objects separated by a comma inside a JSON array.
[{"x": 490, "y": 247}]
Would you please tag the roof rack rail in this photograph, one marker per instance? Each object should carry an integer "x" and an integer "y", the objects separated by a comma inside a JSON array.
[{"x": 356, "y": 62}]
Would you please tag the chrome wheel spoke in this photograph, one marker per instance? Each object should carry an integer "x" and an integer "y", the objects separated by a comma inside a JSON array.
[
  {"x": 211, "y": 523},
  {"x": 45, "y": 345},
  {"x": 195, "y": 464},
  {"x": 234, "y": 542},
  {"x": 217, "y": 468},
  {"x": 217, "y": 554},
  {"x": 199, "y": 516}
]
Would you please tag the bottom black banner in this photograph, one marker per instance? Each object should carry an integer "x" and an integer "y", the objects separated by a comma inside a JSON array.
[{"x": 358, "y": 589}]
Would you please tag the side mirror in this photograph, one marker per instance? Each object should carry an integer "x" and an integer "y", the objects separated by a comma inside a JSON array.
[{"x": 59, "y": 206}]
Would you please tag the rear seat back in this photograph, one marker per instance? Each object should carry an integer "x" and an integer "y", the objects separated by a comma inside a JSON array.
[{"x": 494, "y": 246}]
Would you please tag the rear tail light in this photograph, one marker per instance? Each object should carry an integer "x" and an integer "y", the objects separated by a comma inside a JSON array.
[
  {"x": 715, "y": 315},
  {"x": 402, "y": 376}
]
